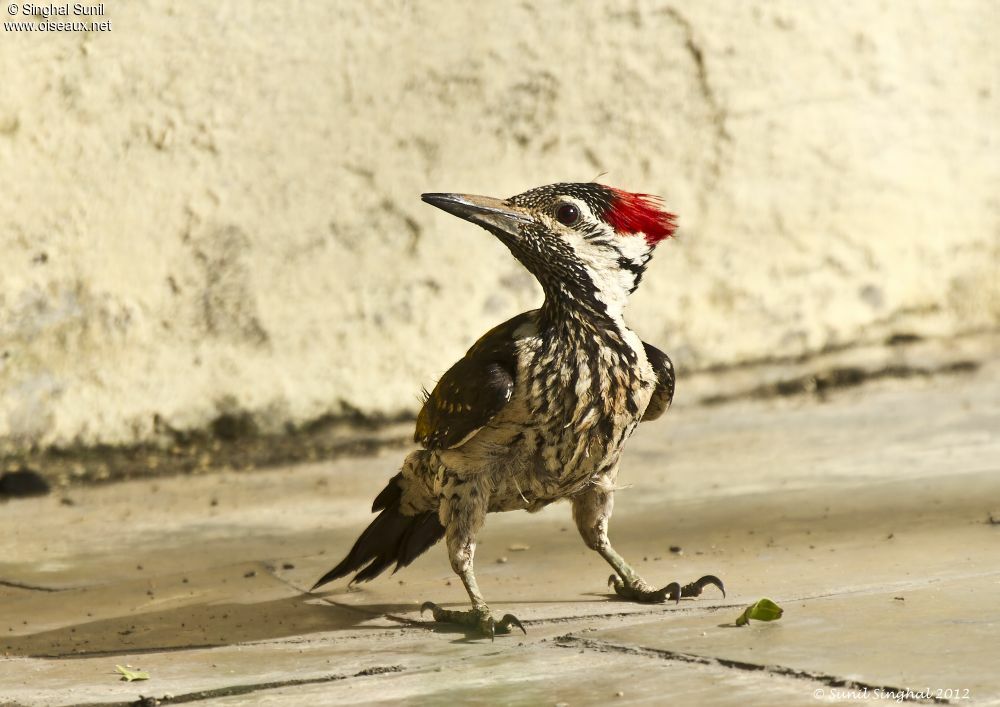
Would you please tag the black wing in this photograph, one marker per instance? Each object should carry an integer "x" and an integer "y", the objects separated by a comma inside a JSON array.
[
  {"x": 663, "y": 394},
  {"x": 472, "y": 391}
]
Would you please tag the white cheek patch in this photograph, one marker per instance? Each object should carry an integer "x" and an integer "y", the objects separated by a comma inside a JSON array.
[
  {"x": 635, "y": 250},
  {"x": 592, "y": 257},
  {"x": 611, "y": 282},
  {"x": 601, "y": 252},
  {"x": 634, "y": 247}
]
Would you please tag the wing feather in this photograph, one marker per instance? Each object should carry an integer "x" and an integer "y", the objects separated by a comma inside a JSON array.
[
  {"x": 663, "y": 394},
  {"x": 466, "y": 398},
  {"x": 473, "y": 391}
]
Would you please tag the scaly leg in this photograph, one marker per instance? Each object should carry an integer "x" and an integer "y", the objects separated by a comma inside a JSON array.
[
  {"x": 592, "y": 511},
  {"x": 463, "y": 510}
]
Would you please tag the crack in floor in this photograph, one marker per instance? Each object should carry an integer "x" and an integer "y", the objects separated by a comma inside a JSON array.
[
  {"x": 31, "y": 587},
  {"x": 234, "y": 690},
  {"x": 129, "y": 650},
  {"x": 571, "y": 641}
]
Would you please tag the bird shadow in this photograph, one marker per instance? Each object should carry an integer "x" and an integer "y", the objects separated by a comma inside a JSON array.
[{"x": 189, "y": 626}]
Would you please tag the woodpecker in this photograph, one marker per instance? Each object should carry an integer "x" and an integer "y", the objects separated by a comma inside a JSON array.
[{"x": 541, "y": 406}]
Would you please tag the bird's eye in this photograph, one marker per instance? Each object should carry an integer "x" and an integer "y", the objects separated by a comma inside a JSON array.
[{"x": 567, "y": 215}]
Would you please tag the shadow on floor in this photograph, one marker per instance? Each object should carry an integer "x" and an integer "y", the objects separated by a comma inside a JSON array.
[{"x": 193, "y": 626}]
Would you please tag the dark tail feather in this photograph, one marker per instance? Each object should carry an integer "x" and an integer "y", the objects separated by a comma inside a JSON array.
[{"x": 391, "y": 537}]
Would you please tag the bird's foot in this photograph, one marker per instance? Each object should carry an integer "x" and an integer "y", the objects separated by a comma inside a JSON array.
[
  {"x": 638, "y": 590},
  {"x": 479, "y": 618}
]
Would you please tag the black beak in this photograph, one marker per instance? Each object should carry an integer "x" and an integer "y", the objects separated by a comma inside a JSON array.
[{"x": 480, "y": 210}]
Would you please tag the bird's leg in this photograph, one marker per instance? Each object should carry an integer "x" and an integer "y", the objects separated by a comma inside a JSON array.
[
  {"x": 463, "y": 511},
  {"x": 592, "y": 511}
]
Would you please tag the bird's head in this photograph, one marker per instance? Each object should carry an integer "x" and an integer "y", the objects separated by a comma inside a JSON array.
[{"x": 587, "y": 244}]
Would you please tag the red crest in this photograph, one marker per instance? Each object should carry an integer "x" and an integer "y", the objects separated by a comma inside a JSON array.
[{"x": 640, "y": 213}]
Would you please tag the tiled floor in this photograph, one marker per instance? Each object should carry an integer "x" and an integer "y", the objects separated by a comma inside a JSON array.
[{"x": 867, "y": 517}]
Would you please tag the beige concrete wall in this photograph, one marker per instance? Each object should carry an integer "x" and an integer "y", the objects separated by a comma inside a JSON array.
[{"x": 214, "y": 206}]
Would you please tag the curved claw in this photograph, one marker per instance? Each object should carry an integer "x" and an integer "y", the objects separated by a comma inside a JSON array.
[
  {"x": 671, "y": 591},
  {"x": 641, "y": 592},
  {"x": 509, "y": 620},
  {"x": 479, "y": 617},
  {"x": 621, "y": 589},
  {"x": 694, "y": 588}
]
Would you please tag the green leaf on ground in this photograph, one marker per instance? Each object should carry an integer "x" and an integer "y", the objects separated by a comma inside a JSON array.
[
  {"x": 763, "y": 610},
  {"x": 128, "y": 674}
]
